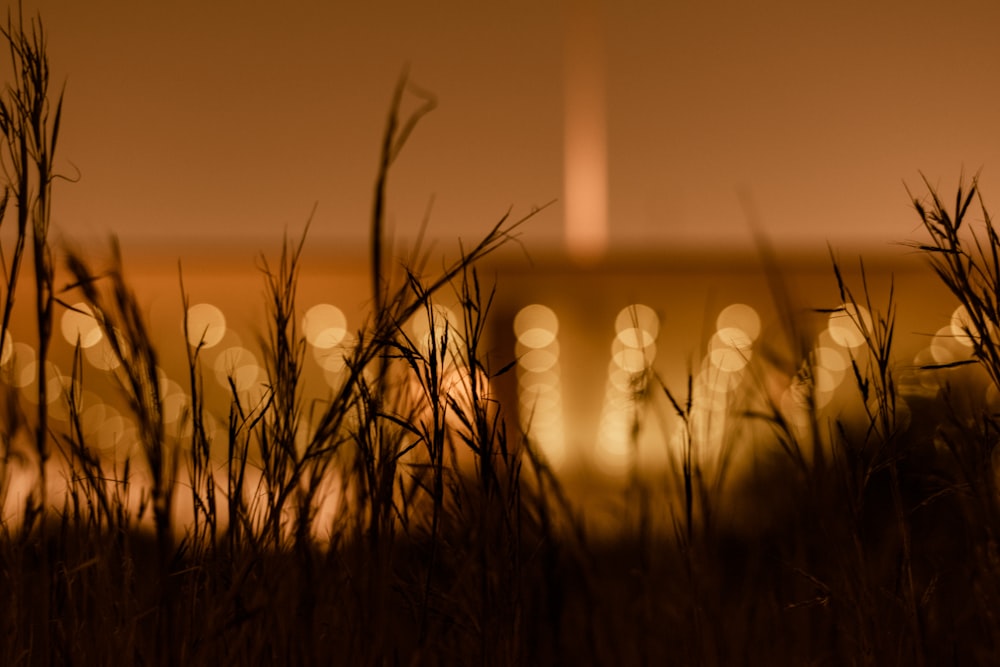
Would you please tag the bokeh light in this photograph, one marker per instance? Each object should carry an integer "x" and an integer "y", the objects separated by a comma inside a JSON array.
[
  {"x": 633, "y": 351},
  {"x": 325, "y": 326},
  {"x": 962, "y": 327},
  {"x": 8, "y": 349},
  {"x": 101, "y": 356},
  {"x": 829, "y": 369},
  {"x": 548, "y": 377},
  {"x": 175, "y": 407},
  {"x": 22, "y": 370},
  {"x": 539, "y": 389},
  {"x": 54, "y": 383},
  {"x": 739, "y": 316},
  {"x": 948, "y": 347},
  {"x": 537, "y": 360},
  {"x": 632, "y": 359},
  {"x": 843, "y": 325},
  {"x": 637, "y": 326},
  {"x": 206, "y": 325},
  {"x": 536, "y": 326},
  {"x": 444, "y": 321},
  {"x": 79, "y": 324},
  {"x": 333, "y": 361},
  {"x": 730, "y": 349},
  {"x": 237, "y": 363}
]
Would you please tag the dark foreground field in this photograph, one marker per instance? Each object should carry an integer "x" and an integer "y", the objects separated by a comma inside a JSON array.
[{"x": 506, "y": 577}]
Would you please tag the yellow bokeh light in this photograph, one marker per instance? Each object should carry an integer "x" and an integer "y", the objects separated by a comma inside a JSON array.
[
  {"x": 206, "y": 325},
  {"x": 843, "y": 325},
  {"x": 621, "y": 379},
  {"x": 962, "y": 326},
  {"x": 101, "y": 356},
  {"x": 538, "y": 360},
  {"x": 717, "y": 380},
  {"x": 739, "y": 316},
  {"x": 825, "y": 380},
  {"x": 23, "y": 356},
  {"x": 832, "y": 359},
  {"x": 549, "y": 378},
  {"x": 175, "y": 407},
  {"x": 631, "y": 359},
  {"x": 54, "y": 382},
  {"x": 730, "y": 349},
  {"x": 528, "y": 395},
  {"x": 334, "y": 359},
  {"x": 444, "y": 322},
  {"x": 79, "y": 324},
  {"x": 637, "y": 325},
  {"x": 946, "y": 347},
  {"x": 536, "y": 326},
  {"x": 325, "y": 326},
  {"x": 237, "y": 363}
]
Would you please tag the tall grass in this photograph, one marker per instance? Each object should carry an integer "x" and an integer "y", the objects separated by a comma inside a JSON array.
[{"x": 451, "y": 539}]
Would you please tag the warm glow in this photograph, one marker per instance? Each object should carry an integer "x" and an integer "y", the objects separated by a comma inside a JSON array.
[
  {"x": 22, "y": 371},
  {"x": 206, "y": 325},
  {"x": 117, "y": 435},
  {"x": 79, "y": 324},
  {"x": 175, "y": 406},
  {"x": 444, "y": 322},
  {"x": 829, "y": 367},
  {"x": 843, "y": 325},
  {"x": 237, "y": 363},
  {"x": 637, "y": 326},
  {"x": 740, "y": 316},
  {"x": 633, "y": 351},
  {"x": 8, "y": 349},
  {"x": 324, "y": 325},
  {"x": 101, "y": 356},
  {"x": 716, "y": 381},
  {"x": 632, "y": 359},
  {"x": 539, "y": 390},
  {"x": 947, "y": 346},
  {"x": 962, "y": 327},
  {"x": 536, "y": 326},
  {"x": 585, "y": 163},
  {"x": 54, "y": 382},
  {"x": 730, "y": 349},
  {"x": 548, "y": 377},
  {"x": 538, "y": 360}
]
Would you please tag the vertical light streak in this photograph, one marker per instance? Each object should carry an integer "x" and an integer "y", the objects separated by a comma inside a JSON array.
[{"x": 585, "y": 138}]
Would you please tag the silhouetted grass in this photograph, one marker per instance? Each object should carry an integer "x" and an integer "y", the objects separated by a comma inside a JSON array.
[{"x": 802, "y": 536}]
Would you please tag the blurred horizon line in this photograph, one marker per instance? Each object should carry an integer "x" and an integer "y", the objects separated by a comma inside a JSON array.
[{"x": 512, "y": 257}]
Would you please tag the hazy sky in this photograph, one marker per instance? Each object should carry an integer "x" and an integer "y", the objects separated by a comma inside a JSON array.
[{"x": 194, "y": 122}]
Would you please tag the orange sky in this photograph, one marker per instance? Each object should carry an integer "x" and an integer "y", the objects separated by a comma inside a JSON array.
[{"x": 194, "y": 122}]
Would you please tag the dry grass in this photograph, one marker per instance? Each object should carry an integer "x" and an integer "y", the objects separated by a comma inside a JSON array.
[{"x": 453, "y": 542}]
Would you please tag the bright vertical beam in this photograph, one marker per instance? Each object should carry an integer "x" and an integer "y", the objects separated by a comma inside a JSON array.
[{"x": 585, "y": 140}]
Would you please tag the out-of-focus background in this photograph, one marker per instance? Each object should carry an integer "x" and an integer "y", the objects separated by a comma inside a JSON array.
[
  {"x": 192, "y": 123},
  {"x": 664, "y": 133}
]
